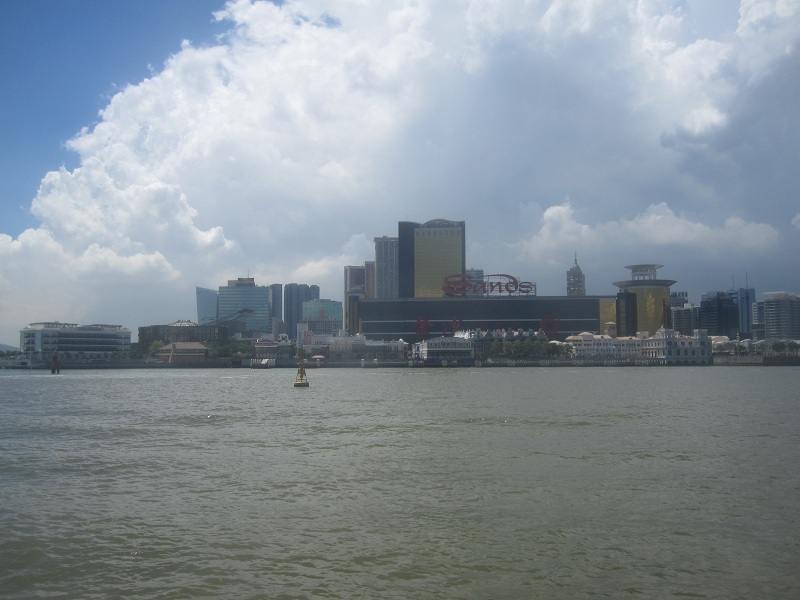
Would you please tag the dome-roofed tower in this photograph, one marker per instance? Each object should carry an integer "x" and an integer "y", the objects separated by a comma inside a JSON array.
[{"x": 649, "y": 308}]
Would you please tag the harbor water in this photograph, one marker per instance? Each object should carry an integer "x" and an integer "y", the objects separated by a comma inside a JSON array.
[{"x": 401, "y": 483}]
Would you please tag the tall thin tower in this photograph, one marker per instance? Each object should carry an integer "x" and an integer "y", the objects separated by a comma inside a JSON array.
[{"x": 576, "y": 280}]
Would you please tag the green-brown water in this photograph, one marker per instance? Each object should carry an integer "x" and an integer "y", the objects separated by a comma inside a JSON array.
[{"x": 467, "y": 483}]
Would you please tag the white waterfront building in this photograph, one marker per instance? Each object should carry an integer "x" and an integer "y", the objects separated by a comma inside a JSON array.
[
  {"x": 671, "y": 348},
  {"x": 667, "y": 347},
  {"x": 350, "y": 346},
  {"x": 587, "y": 345},
  {"x": 75, "y": 341},
  {"x": 445, "y": 351}
]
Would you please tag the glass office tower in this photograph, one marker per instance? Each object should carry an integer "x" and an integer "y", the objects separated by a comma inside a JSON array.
[
  {"x": 428, "y": 253},
  {"x": 243, "y": 296},
  {"x": 206, "y": 305},
  {"x": 294, "y": 294},
  {"x": 276, "y": 300}
]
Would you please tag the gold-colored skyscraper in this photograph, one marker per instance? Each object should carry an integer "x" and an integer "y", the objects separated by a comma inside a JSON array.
[
  {"x": 651, "y": 301},
  {"x": 428, "y": 254}
]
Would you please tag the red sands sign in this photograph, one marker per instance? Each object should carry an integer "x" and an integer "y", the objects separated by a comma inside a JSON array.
[{"x": 498, "y": 284}]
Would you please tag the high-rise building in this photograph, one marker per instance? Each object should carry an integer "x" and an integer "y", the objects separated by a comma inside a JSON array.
[
  {"x": 759, "y": 326},
  {"x": 625, "y": 316},
  {"x": 386, "y": 267},
  {"x": 355, "y": 279},
  {"x": 685, "y": 318},
  {"x": 369, "y": 279},
  {"x": 243, "y": 296},
  {"x": 576, "y": 280},
  {"x": 405, "y": 258},
  {"x": 474, "y": 275},
  {"x": 206, "y": 305},
  {"x": 728, "y": 313},
  {"x": 276, "y": 300},
  {"x": 428, "y": 253},
  {"x": 355, "y": 289},
  {"x": 294, "y": 294},
  {"x": 291, "y": 312},
  {"x": 745, "y": 297},
  {"x": 719, "y": 314},
  {"x": 323, "y": 316},
  {"x": 781, "y": 316},
  {"x": 651, "y": 300},
  {"x": 322, "y": 309},
  {"x": 678, "y": 299}
]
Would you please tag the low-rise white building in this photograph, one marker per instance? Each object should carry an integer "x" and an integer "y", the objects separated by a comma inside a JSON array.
[
  {"x": 667, "y": 346},
  {"x": 76, "y": 341},
  {"x": 353, "y": 346},
  {"x": 587, "y": 345},
  {"x": 445, "y": 351},
  {"x": 671, "y": 348}
]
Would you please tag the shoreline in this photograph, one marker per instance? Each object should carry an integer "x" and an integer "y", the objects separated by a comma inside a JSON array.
[{"x": 727, "y": 361}]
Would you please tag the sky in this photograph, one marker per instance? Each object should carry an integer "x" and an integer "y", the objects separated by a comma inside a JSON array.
[{"x": 152, "y": 147}]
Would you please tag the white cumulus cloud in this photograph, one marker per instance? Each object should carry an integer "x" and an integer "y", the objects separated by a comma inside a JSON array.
[
  {"x": 658, "y": 227},
  {"x": 313, "y": 126}
]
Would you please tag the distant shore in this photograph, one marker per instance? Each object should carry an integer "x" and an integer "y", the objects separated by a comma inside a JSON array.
[{"x": 227, "y": 363}]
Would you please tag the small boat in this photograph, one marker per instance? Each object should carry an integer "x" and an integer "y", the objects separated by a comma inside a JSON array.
[{"x": 301, "y": 379}]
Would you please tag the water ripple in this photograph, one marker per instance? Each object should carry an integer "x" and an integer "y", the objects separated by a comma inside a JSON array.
[{"x": 465, "y": 484}]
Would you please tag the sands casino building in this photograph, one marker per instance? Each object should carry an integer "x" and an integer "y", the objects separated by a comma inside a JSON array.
[
  {"x": 437, "y": 295},
  {"x": 497, "y": 301}
]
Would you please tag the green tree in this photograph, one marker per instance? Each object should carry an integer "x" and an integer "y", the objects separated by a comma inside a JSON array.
[
  {"x": 240, "y": 349},
  {"x": 554, "y": 349},
  {"x": 528, "y": 348},
  {"x": 154, "y": 348},
  {"x": 779, "y": 346},
  {"x": 541, "y": 348}
]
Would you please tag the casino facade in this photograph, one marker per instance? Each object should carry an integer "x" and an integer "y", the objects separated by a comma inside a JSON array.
[
  {"x": 437, "y": 295},
  {"x": 415, "y": 319}
]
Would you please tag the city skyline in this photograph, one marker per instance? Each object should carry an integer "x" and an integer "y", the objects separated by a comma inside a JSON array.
[{"x": 152, "y": 151}]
